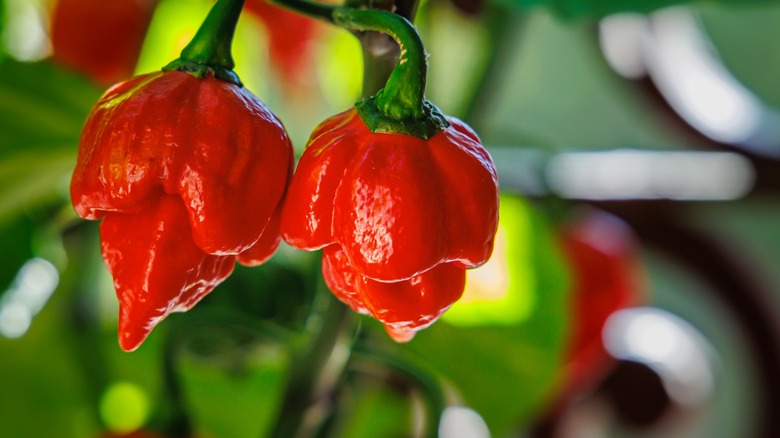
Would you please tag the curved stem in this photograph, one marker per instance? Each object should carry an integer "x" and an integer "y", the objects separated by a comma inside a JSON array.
[
  {"x": 400, "y": 107},
  {"x": 209, "y": 52},
  {"x": 429, "y": 387},
  {"x": 315, "y": 368},
  {"x": 404, "y": 93},
  {"x": 380, "y": 53}
]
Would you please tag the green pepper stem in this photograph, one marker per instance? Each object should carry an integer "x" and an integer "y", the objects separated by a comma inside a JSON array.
[
  {"x": 209, "y": 52},
  {"x": 404, "y": 94},
  {"x": 400, "y": 107},
  {"x": 211, "y": 44}
]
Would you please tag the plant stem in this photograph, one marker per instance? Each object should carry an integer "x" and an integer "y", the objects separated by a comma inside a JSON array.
[
  {"x": 379, "y": 50},
  {"x": 403, "y": 96},
  {"x": 211, "y": 44},
  {"x": 209, "y": 52},
  {"x": 316, "y": 367},
  {"x": 407, "y": 8},
  {"x": 380, "y": 53},
  {"x": 176, "y": 421},
  {"x": 400, "y": 107},
  {"x": 428, "y": 386},
  {"x": 404, "y": 93}
]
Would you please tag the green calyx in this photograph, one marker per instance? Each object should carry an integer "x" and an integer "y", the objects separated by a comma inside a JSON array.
[
  {"x": 209, "y": 54},
  {"x": 400, "y": 107},
  {"x": 201, "y": 71},
  {"x": 425, "y": 126}
]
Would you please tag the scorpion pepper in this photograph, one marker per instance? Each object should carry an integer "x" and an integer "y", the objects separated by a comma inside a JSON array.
[
  {"x": 100, "y": 38},
  {"x": 401, "y": 198},
  {"x": 188, "y": 175},
  {"x": 187, "y": 169},
  {"x": 400, "y": 218}
]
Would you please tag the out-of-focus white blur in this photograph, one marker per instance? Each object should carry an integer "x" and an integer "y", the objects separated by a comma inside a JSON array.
[
  {"x": 621, "y": 38},
  {"x": 461, "y": 422},
  {"x": 672, "y": 48},
  {"x": 29, "y": 292},
  {"x": 638, "y": 174},
  {"x": 668, "y": 344},
  {"x": 25, "y": 36}
]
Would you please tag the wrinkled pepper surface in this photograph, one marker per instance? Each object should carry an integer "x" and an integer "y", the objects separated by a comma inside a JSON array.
[
  {"x": 188, "y": 176},
  {"x": 399, "y": 218}
]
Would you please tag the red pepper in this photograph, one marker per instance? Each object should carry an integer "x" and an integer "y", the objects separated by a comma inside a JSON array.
[
  {"x": 400, "y": 218},
  {"x": 606, "y": 278},
  {"x": 100, "y": 38},
  {"x": 188, "y": 175}
]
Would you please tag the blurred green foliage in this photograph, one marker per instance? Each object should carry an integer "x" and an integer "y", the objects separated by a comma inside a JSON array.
[
  {"x": 507, "y": 372},
  {"x": 42, "y": 108}
]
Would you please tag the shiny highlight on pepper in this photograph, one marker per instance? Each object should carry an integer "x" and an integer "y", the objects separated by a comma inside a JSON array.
[
  {"x": 399, "y": 218},
  {"x": 188, "y": 176}
]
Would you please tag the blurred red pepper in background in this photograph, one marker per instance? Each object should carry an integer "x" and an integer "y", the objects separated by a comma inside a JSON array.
[
  {"x": 100, "y": 38},
  {"x": 607, "y": 277},
  {"x": 290, "y": 43}
]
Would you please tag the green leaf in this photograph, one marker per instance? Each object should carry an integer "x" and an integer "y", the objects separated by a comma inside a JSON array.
[
  {"x": 27, "y": 179},
  {"x": 42, "y": 110},
  {"x": 375, "y": 411},
  {"x": 598, "y": 8},
  {"x": 41, "y": 104},
  {"x": 506, "y": 372},
  {"x": 234, "y": 390},
  {"x": 16, "y": 237}
]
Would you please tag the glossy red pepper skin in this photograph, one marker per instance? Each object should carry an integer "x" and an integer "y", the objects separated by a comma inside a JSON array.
[
  {"x": 188, "y": 175},
  {"x": 606, "y": 278},
  {"x": 399, "y": 218},
  {"x": 100, "y": 38}
]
